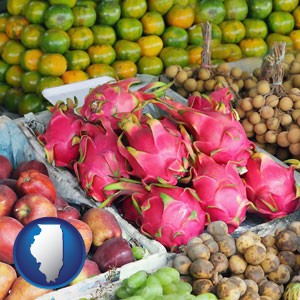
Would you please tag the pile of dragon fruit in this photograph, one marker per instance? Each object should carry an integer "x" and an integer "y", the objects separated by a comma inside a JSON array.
[{"x": 169, "y": 175}]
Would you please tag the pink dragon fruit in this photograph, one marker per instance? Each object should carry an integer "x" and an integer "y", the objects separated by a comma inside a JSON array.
[
  {"x": 155, "y": 150},
  {"x": 271, "y": 186},
  {"x": 171, "y": 215},
  {"x": 221, "y": 191},
  {"x": 217, "y": 134},
  {"x": 62, "y": 136},
  {"x": 129, "y": 209},
  {"x": 116, "y": 100},
  {"x": 100, "y": 162},
  {"x": 219, "y": 100}
]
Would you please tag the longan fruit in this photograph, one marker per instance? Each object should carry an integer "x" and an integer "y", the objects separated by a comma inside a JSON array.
[
  {"x": 272, "y": 100},
  {"x": 236, "y": 72},
  {"x": 285, "y": 103},
  {"x": 257, "y": 72},
  {"x": 271, "y": 136},
  {"x": 182, "y": 92},
  {"x": 209, "y": 85},
  {"x": 288, "y": 58},
  {"x": 240, "y": 112},
  {"x": 296, "y": 104},
  {"x": 286, "y": 68},
  {"x": 272, "y": 123},
  {"x": 263, "y": 87},
  {"x": 258, "y": 101},
  {"x": 223, "y": 68},
  {"x": 229, "y": 80},
  {"x": 235, "y": 87},
  {"x": 172, "y": 70},
  {"x": 282, "y": 140},
  {"x": 190, "y": 85},
  {"x": 200, "y": 86},
  {"x": 248, "y": 127},
  {"x": 245, "y": 75},
  {"x": 286, "y": 119},
  {"x": 252, "y": 92},
  {"x": 260, "y": 138},
  {"x": 181, "y": 77},
  {"x": 295, "y": 67},
  {"x": 294, "y": 149},
  {"x": 189, "y": 71},
  {"x": 246, "y": 104},
  {"x": 287, "y": 85},
  {"x": 296, "y": 80},
  {"x": 266, "y": 112},
  {"x": 294, "y": 135},
  {"x": 239, "y": 83},
  {"x": 260, "y": 128},
  {"x": 294, "y": 94},
  {"x": 297, "y": 57},
  {"x": 196, "y": 93},
  {"x": 249, "y": 83},
  {"x": 295, "y": 226},
  {"x": 203, "y": 74},
  {"x": 218, "y": 86},
  {"x": 296, "y": 91},
  {"x": 254, "y": 117}
]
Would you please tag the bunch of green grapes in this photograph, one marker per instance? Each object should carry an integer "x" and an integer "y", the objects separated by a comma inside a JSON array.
[{"x": 163, "y": 284}]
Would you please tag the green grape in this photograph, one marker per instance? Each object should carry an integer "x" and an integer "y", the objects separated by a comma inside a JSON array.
[
  {"x": 138, "y": 252},
  {"x": 166, "y": 275},
  {"x": 152, "y": 280},
  {"x": 170, "y": 288},
  {"x": 137, "y": 279},
  {"x": 150, "y": 291},
  {"x": 130, "y": 291},
  {"x": 121, "y": 293},
  {"x": 206, "y": 296},
  {"x": 184, "y": 288},
  {"x": 124, "y": 282}
]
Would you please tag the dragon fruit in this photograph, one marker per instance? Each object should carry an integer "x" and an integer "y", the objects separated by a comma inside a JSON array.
[
  {"x": 217, "y": 134},
  {"x": 62, "y": 136},
  {"x": 271, "y": 186},
  {"x": 171, "y": 215},
  {"x": 219, "y": 100},
  {"x": 116, "y": 100},
  {"x": 155, "y": 149},
  {"x": 100, "y": 162},
  {"x": 221, "y": 191}
]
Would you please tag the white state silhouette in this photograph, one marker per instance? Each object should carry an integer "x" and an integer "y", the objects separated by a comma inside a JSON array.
[{"x": 47, "y": 249}]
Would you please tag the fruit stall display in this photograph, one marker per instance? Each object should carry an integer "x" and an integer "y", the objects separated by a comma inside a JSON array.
[
  {"x": 120, "y": 173},
  {"x": 50, "y": 43}
]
